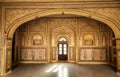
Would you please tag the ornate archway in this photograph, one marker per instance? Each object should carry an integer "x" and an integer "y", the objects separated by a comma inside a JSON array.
[
  {"x": 62, "y": 31},
  {"x": 12, "y": 27},
  {"x": 107, "y": 20}
]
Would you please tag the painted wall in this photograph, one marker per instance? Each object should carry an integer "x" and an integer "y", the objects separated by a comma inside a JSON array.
[
  {"x": 92, "y": 38},
  {"x": 14, "y": 14}
]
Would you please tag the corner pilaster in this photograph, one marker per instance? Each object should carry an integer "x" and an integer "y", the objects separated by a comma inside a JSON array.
[
  {"x": 8, "y": 55},
  {"x": 0, "y": 26},
  {"x": 118, "y": 55}
]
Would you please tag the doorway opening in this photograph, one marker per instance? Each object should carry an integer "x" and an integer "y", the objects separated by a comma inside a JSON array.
[{"x": 62, "y": 49}]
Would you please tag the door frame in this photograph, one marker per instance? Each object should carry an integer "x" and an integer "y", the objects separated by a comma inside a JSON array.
[{"x": 63, "y": 56}]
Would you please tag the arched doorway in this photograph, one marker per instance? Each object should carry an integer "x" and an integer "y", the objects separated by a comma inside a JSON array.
[
  {"x": 70, "y": 49},
  {"x": 62, "y": 49}
]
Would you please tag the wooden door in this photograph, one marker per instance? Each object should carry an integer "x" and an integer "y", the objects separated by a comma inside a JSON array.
[{"x": 62, "y": 51}]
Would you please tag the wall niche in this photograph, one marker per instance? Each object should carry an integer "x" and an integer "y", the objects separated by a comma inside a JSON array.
[
  {"x": 88, "y": 40},
  {"x": 37, "y": 40}
]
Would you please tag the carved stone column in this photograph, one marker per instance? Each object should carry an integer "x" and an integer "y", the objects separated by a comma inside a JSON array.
[
  {"x": 0, "y": 49},
  {"x": 48, "y": 43},
  {"x": 77, "y": 43},
  {"x": 8, "y": 55},
  {"x": 0, "y": 38},
  {"x": 3, "y": 46},
  {"x": 118, "y": 55}
]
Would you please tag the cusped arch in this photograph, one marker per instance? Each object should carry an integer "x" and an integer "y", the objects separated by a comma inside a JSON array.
[
  {"x": 107, "y": 20},
  {"x": 62, "y": 29},
  {"x": 37, "y": 39},
  {"x": 88, "y": 37},
  {"x": 62, "y": 32},
  {"x": 37, "y": 36}
]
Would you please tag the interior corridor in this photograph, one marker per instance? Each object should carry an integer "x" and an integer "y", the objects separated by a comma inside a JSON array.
[{"x": 62, "y": 70}]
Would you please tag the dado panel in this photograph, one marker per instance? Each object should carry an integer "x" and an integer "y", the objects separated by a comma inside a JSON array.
[
  {"x": 93, "y": 54},
  {"x": 33, "y": 54}
]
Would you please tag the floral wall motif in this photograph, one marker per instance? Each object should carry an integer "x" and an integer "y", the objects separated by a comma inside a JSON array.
[
  {"x": 91, "y": 54},
  {"x": 33, "y": 43},
  {"x": 66, "y": 22},
  {"x": 93, "y": 39},
  {"x": 109, "y": 12},
  {"x": 14, "y": 13},
  {"x": 80, "y": 27},
  {"x": 26, "y": 54},
  {"x": 33, "y": 54}
]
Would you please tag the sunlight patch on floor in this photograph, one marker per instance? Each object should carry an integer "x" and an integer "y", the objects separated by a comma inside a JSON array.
[{"x": 60, "y": 69}]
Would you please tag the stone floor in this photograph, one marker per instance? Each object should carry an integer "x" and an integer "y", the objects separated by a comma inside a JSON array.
[{"x": 62, "y": 70}]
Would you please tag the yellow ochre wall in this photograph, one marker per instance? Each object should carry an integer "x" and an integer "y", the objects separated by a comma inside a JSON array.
[{"x": 13, "y": 14}]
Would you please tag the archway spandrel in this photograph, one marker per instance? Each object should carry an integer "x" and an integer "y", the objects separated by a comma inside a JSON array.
[
  {"x": 13, "y": 14},
  {"x": 107, "y": 20},
  {"x": 113, "y": 13}
]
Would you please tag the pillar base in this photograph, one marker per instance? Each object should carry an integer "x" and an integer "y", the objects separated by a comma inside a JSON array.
[
  {"x": 118, "y": 73},
  {"x": 3, "y": 74}
]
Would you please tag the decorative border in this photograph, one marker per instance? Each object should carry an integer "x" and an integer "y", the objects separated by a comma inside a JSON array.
[{"x": 75, "y": 3}]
